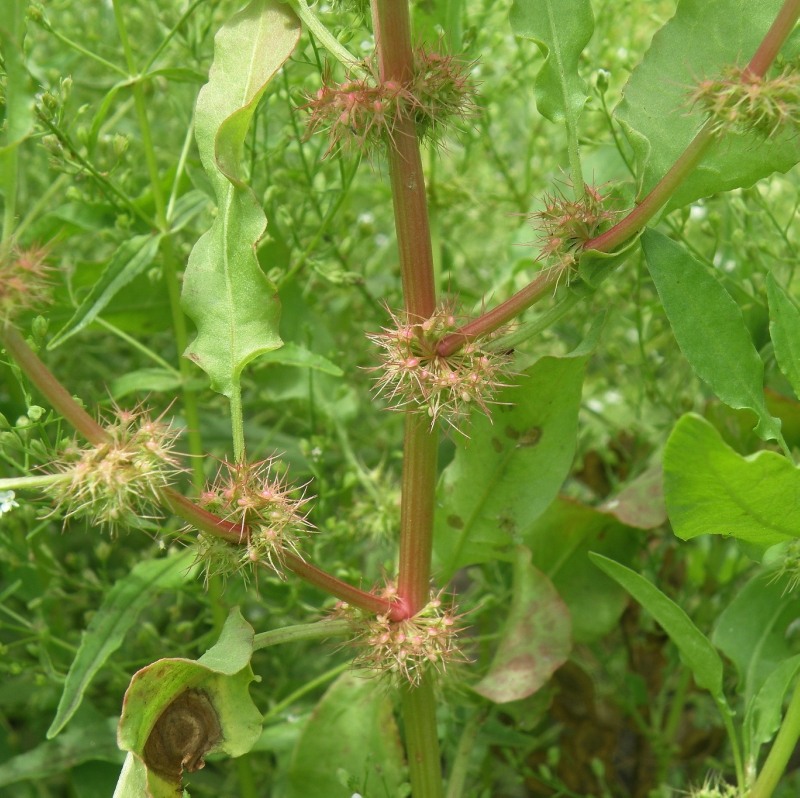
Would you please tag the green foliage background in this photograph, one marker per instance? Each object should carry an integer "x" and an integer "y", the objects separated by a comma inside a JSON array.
[{"x": 329, "y": 249}]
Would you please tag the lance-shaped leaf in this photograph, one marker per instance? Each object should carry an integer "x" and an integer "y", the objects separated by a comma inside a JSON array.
[
  {"x": 132, "y": 258},
  {"x": 695, "y": 649},
  {"x": 507, "y": 472},
  {"x": 225, "y": 292},
  {"x": 561, "y": 29},
  {"x": 107, "y": 629},
  {"x": 702, "y": 38},
  {"x": 709, "y": 329},
  {"x": 784, "y": 329},
  {"x": 710, "y": 489},
  {"x": 535, "y": 641},
  {"x": 176, "y": 711}
]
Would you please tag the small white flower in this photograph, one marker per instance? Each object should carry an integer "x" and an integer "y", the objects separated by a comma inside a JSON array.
[{"x": 7, "y": 503}]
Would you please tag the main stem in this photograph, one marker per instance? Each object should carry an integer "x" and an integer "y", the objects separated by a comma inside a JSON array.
[{"x": 392, "y": 28}]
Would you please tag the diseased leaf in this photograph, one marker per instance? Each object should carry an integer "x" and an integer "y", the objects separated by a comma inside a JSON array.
[
  {"x": 132, "y": 258},
  {"x": 641, "y": 502},
  {"x": 506, "y": 473},
  {"x": 702, "y": 37},
  {"x": 350, "y": 744},
  {"x": 710, "y": 489},
  {"x": 535, "y": 641},
  {"x": 695, "y": 649},
  {"x": 784, "y": 329},
  {"x": 561, "y": 29},
  {"x": 225, "y": 292},
  {"x": 107, "y": 629},
  {"x": 560, "y": 540},
  {"x": 209, "y": 695},
  {"x": 709, "y": 328}
]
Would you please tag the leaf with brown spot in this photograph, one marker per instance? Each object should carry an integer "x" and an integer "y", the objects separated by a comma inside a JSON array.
[{"x": 536, "y": 640}]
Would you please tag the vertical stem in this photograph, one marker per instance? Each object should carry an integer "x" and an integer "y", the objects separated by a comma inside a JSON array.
[
  {"x": 777, "y": 34},
  {"x": 395, "y": 59},
  {"x": 781, "y": 750},
  {"x": 422, "y": 741},
  {"x": 393, "y": 36},
  {"x": 416, "y": 513}
]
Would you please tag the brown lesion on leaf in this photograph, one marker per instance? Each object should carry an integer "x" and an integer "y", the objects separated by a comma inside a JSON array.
[
  {"x": 530, "y": 437},
  {"x": 184, "y": 733}
]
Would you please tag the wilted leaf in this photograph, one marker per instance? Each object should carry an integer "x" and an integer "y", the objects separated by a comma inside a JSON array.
[{"x": 536, "y": 638}]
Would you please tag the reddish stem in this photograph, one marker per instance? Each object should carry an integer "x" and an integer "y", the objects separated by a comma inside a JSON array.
[
  {"x": 776, "y": 36},
  {"x": 644, "y": 211},
  {"x": 50, "y": 387}
]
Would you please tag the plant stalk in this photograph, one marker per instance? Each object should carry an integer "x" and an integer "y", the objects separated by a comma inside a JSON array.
[
  {"x": 781, "y": 751},
  {"x": 422, "y": 740}
]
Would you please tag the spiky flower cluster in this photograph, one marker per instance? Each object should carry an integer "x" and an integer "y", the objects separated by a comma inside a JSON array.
[
  {"x": 565, "y": 225},
  {"x": 261, "y": 504},
  {"x": 414, "y": 376},
  {"x": 23, "y": 280},
  {"x": 405, "y": 650},
  {"x": 740, "y": 99},
  {"x": 364, "y": 112},
  {"x": 715, "y": 788},
  {"x": 787, "y": 558},
  {"x": 118, "y": 482},
  {"x": 442, "y": 90}
]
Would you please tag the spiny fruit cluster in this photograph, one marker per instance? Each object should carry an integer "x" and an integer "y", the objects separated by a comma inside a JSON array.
[
  {"x": 414, "y": 376},
  {"x": 742, "y": 100},
  {"x": 565, "y": 225},
  {"x": 23, "y": 280},
  {"x": 267, "y": 511},
  {"x": 405, "y": 650},
  {"x": 361, "y": 113},
  {"x": 118, "y": 482}
]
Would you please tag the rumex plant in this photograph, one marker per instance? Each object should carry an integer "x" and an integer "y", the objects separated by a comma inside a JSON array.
[{"x": 505, "y": 571}]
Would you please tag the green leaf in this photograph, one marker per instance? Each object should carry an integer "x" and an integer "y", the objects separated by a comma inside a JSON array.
[
  {"x": 82, "y": 743},
  {"x": 709, "y": 328},
  {"x": 702, "y": 37},
  {"x": 132, "y": 258},
  {"x": 18, "y": 95},
  {"x": 107, "y": 629},
  {"x": 350, "y": 744},
  {"x": 506, "y": 473},
  {"x": 695, "y": 649},
  {"x": 209, "y": 694},
  {"x": 225, "y": 292},
  {"x": 764, "y": 716},
  {"x": 560, "y": 541},
  {"x": 561, "y": 29},
  {"x": 784, "y": 329},
  {"x": 291, "y": 354},
  {"x": 535, "y": 641},
  {"x": 146, "y": 381},
  {"x": 752, "y": 631},
  {"x": 710, "y": 489}
]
